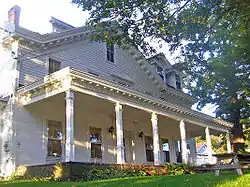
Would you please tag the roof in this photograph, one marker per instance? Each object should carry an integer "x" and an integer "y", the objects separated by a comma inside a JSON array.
[
  {"x": 159, "y": 56},
  {"x": 61, "y": 24}
]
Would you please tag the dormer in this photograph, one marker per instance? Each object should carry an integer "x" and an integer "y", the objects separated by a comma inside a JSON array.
[
  {"x": 165, "y": 70},
  {"x": 59, "y": 26}
]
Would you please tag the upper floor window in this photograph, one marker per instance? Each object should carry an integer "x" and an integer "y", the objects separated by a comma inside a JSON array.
[
  {"x": 54, "y": 65},
  {"x": 159, "y": 70},
  {"x": 178, "y": 81},
  {"x": 110, "y": 52}
]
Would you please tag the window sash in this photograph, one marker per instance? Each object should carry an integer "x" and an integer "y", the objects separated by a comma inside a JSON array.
[
  {"x": 178, "y": 85},
  {"x": 54, "y": 66},
  {"x": 149, "y": 148},
  {"x": 110, "y": 52},
  {"x": 54, "y": 148},
  {"x": 95, "y": 135},
  {"x": 149, "y": 155},
  {"x": 166, "y": 156},
  {"x": 54, "y": 144},
  {"x": 148, "y": 142},
  {"x": 96, "y": 150},
  {"x": 177, "y": 78}
]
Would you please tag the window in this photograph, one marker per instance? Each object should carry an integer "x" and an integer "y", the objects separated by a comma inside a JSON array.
[
  {"x": 159, "y": 70},
  {"x": 54, "y": 65},
  {"x": 96, "y": 142},
  {"x": 149, "y": 148},
  {"x": 165, "y": 150},
  {"x": 178, "y": 151},
  {"x": 54, "y": 147},
  {"x": 110, "y": 52},
  {"x": 124, "y": 145},
  {"x": 178, "y": 81}
]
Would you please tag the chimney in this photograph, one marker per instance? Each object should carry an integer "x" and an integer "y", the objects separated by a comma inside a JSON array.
[{"x": 14, "y": 15}]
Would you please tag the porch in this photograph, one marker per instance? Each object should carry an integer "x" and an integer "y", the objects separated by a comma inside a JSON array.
[{"x": 79, "y": 118}]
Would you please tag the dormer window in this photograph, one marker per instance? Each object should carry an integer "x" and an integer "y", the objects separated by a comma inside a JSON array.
[
  {"x": 178, "y": 81},
  {"x": 54, "y": 65},
  {"x": 159, "y": 70},
  {"x": 110, "y": 52}
]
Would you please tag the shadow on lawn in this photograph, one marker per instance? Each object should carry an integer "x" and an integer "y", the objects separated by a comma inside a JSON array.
[{"x": 199, "y": 180}]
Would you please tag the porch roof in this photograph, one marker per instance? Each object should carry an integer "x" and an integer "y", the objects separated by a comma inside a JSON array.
[{"x": 76, "y": 80}]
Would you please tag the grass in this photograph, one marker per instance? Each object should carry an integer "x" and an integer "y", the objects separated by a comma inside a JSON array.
[{"x": 197, "y": 180}]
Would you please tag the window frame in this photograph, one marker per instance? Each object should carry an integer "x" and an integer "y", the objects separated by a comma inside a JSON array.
[
  {"x": 149, "y": 149},
  {"x": 163, "y": 141},
  {"x": 51, "y": 65},
  {"x": 53, "y": 139},
  {"x": 94, "y": 144},
  {"x": 178, "y": 81},
  {"x": 110, "y": 52},
  {"x": 160, "y": 71}
]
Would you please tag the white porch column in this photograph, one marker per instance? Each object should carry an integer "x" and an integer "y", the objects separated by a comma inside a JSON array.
[
  {"x": 229, "y": 148},
  {"x": 156, "y": 142},
  {"x": 184, "y": 151},
  {"x": 119, "y": 134},
  {"x": 69, "y": 147},
  {"x": 209, "y": 145}
]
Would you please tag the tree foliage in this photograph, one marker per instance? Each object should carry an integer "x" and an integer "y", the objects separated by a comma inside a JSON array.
[{"x": 213, "y": 36}]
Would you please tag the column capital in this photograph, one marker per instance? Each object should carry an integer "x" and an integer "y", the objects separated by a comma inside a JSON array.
[
  {"x": 182, "y": 123},
  {"x": 69, "y": 94},
  {"x": 207, "y": 130},
  {"x": 154, "y": 116},
  {"x": 118, "y": 107}
]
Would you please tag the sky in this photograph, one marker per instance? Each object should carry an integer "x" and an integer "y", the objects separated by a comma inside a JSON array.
[{"x": 35, "y": 16}]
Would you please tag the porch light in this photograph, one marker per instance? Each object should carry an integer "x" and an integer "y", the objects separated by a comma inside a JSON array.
[
  {"x": 111, "y": 130},
  {"x": 141, "y": 134}
]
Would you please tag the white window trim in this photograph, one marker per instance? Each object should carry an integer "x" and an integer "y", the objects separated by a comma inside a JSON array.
[
  {"x": 50, "y": 159},
  {"x": 54, "y": 58},
  {"x": 95, "y": 160},
  {"x": 106, "y": 58}
]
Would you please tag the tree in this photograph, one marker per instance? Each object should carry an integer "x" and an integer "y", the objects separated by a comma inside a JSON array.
[{"x": 214, "y": 38}]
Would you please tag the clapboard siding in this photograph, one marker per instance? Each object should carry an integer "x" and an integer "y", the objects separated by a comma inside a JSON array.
[
  {"x": 89, "y": 56},
  {"x": 7, "y": 72}
]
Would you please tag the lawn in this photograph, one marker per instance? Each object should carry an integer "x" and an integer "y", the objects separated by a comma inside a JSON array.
[{"x": 197, "y": 180}]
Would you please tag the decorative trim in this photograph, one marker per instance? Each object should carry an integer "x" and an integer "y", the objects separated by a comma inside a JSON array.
[{"x": 79, "y": 80}]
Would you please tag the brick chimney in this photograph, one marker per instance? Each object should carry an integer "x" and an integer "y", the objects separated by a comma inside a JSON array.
[{"x": 14, "y": 15}]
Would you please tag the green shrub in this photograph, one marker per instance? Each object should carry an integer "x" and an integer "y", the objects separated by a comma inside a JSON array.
[{"x": 78, "y": 172}]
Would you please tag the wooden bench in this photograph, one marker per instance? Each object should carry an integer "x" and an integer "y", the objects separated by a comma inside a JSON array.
[{"x": 236, "y": 160}]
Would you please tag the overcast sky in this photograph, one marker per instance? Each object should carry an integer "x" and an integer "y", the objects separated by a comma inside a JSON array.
[{"x": 35, "y": 16}]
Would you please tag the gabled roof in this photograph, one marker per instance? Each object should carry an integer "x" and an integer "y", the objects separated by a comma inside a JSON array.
[
  {"x": 41, "y": 42},
  {"x": 168, "y": 67},
  {"x": 60, "y": 23},
  {"x": 159, "y": 57}
]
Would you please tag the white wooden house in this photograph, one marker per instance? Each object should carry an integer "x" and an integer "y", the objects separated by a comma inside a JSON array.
[{"x": 64, "y": 98}]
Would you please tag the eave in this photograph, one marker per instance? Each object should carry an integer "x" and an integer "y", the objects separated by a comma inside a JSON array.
[{"x": 69, "y": 78}]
